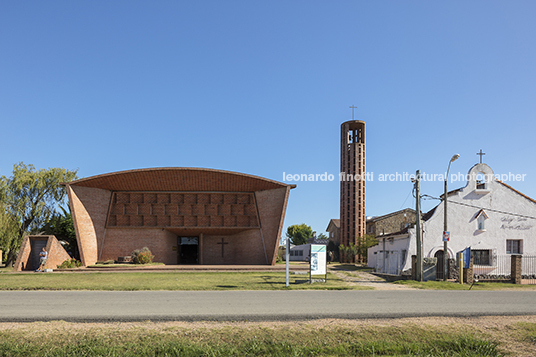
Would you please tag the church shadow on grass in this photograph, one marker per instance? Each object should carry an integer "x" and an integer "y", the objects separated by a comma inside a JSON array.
[{"x": 276, "y": 281}]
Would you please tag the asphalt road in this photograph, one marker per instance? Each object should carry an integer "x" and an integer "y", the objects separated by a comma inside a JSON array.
[{"x": 19, "y": 306}]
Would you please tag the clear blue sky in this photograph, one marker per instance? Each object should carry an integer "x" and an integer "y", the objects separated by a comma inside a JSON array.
[{"x": 261, "y": 87}]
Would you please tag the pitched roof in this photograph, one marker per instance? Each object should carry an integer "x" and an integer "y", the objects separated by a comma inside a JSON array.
[
  {"x": 516, "y": 191},
  {"x": 377, "y": 218},
  {"x": 335, "y": 221}
]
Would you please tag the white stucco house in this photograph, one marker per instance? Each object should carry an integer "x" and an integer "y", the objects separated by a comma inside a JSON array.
[{"x": 487, "y": 215}]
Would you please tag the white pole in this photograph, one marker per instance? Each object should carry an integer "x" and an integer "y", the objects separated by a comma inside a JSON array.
[{"x": 287, "y": 255}]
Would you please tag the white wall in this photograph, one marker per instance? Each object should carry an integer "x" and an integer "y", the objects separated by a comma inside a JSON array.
[{"x": 496, "y": 200}]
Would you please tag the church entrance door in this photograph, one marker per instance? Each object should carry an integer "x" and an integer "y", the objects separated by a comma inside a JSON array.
[
  {"x": 188, "y": 252},
  {"x": 439, "y": 267}
]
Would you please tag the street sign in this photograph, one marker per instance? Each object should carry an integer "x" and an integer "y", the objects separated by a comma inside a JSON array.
[{"x": 446, "y": 236}]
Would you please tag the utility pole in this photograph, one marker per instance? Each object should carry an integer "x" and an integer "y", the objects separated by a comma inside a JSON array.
[{"x": 418, "y": 228}]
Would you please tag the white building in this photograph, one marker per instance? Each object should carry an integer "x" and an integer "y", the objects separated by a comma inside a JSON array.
[{"x": 486, "y": 215}]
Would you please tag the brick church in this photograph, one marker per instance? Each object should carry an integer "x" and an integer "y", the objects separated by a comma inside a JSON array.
[{"x": 183, "y": 215}]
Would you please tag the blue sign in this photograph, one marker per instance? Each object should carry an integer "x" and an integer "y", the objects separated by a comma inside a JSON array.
[{"x": 466, "y": 257}]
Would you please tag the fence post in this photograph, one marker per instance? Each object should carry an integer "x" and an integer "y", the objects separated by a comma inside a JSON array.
[
  {"x": 516, "y": 268},
  {"x": 468, "y": 276}
]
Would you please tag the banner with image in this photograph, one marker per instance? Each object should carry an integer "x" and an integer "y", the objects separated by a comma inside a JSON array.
[{"x": 318, "y": 259}]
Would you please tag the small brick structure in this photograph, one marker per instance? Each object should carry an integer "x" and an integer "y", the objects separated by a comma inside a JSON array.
[
  {"x": 468, "y": 276},
  {"x": 28, "y": 256}
]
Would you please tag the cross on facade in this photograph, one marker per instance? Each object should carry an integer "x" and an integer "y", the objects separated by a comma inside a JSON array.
[
  {"x": 222, "y": 245},
  {"x": 353, "y": 107},
  {"x": 481, "y": 154}
]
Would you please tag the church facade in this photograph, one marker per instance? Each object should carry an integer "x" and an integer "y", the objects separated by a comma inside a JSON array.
[
  {"x": 183, "y": 215},
  {"x": 487, "y": 215}
]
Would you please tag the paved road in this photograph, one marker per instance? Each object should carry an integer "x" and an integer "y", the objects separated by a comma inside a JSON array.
[{"x": 257, "y": 305}]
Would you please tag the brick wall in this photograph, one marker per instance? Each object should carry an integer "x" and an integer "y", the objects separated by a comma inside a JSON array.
[
  {"x": 113, "y": 224},
  {"x": 89, "y": 207},
  {"x": 391, "y": 224}
]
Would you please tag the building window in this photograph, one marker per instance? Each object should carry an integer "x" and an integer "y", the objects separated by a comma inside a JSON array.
[
  {"x": 371, "y": 228},
  {"x": 480, "y": 257},
  {"x": 481, "y": 223},
  {"x": 481, "y": 217},
  {"x": 514, "y": 246}
]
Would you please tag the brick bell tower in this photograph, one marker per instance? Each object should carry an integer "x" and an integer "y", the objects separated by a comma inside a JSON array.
[{"x": 352, "y": 179}]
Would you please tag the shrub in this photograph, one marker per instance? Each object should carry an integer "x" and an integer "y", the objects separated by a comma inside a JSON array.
[
  {"x": 142, "y": 256},
  {"x": 69, "y": 264}
]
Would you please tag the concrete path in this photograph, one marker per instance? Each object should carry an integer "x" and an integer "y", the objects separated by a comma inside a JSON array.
[
  {"x": 257, "y": 305},
  {"x": 364, "y": 278}
]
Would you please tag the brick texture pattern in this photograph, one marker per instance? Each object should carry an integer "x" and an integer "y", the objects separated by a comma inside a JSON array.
[{"x": 148, "y": 208}]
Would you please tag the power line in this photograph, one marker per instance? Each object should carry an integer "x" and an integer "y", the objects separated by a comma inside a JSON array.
[{"x": 484, "y": 208}]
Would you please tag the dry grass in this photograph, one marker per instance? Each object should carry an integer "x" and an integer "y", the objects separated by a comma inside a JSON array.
[{"x": 485, "y": 336}]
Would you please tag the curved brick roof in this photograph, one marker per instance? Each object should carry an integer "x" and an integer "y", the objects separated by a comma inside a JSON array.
[{"x": 178, "y": 179}]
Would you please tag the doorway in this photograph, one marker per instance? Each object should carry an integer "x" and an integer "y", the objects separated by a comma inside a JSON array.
[
  {"x": 36, "y": 247},
  {"x": 188, "y": 252},
  {"x": 439, "y": 267}
]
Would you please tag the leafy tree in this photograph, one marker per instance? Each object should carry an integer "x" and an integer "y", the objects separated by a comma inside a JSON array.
[
  {"x": 322, "y": 236},
  {"x": 367, "y": 241},
  {"x": 299, "y": 233},
  {"x": 30, "y": 198},
  {"x": 8, "y": 230},
  {"x": 61, "y": 226},
  {"x": 349, "y": 253}
]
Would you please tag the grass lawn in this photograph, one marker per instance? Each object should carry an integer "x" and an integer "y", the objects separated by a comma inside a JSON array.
[
  {"x": 319, "y": 338},
  {"x": 166, "y": 281},
  {"x": 447, "y": 285}
]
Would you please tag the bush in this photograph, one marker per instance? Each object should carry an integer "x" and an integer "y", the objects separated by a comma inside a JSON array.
[
  {"x": 142, "y": 256},
  {"x": 69, "y": 264}
]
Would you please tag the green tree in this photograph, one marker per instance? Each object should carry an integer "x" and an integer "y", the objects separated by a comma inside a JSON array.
[
  {"x": 299, "y": 233},
  {"x": 30, "y": 198},
  {"x": 367, "y": 241},
  {"x": 61, "y": 226},
  {"x": 322, "y": 236},
  {"x": 8, "y": 230},
  {"x": 353, "y": 251}
]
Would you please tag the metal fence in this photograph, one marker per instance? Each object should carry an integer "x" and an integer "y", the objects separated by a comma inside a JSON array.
[
  {"x": 528, "y": 269},
  {"x": 498, "y": 269},
  {"x": 500, "y": 266}
]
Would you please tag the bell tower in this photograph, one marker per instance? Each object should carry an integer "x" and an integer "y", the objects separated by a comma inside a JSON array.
[{"x": 352, "y": 179}]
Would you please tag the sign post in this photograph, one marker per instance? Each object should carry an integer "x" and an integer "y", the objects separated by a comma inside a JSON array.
[
  {"x": 318, "y": 262},
  {"x": 287, "y": 255}
]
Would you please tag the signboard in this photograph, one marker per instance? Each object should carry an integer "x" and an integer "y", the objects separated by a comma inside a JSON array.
[
  {"x": 446, "y": 236},
  {"x": 318, "y": 259},
  {"x": 467, "y": 257}
]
